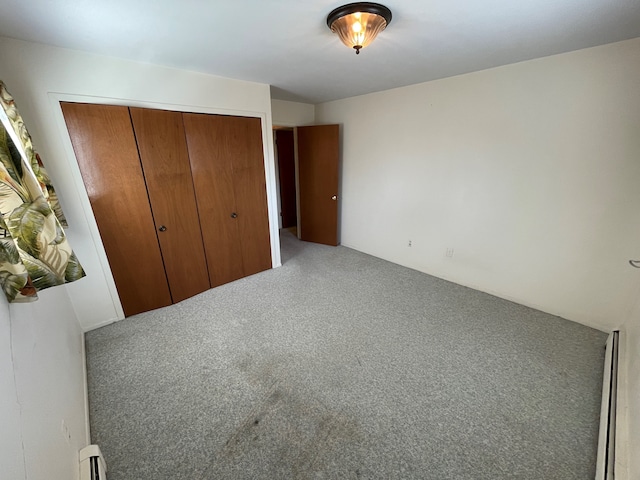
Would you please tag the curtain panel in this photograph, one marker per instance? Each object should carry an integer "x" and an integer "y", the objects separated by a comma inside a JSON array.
[{"x": 34, "y": 251}]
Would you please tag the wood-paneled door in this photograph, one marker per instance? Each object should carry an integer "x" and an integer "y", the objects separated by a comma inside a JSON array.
[
  {"x": 318, "y": 174},
  {"x": 167, "y": 171},
  {"x": 227, "y": 163},
  {"x": 105, "y": 147}
]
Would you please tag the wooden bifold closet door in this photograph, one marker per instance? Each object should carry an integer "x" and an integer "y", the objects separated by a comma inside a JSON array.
[
  {"x": 233, "y": 213},
  {"x": 165, "y": 162},
  {"x": 107, "y": 154},
  {"x": 179, "y": 199}
]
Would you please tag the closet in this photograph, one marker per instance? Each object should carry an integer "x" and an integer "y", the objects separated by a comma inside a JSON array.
[{"x": 179, "y": 198}]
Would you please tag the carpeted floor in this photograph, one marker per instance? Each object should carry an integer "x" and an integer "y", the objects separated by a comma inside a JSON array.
[{"x": 340, "y": 365}]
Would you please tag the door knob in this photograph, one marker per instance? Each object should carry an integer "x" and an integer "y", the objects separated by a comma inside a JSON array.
[
  {"x": 162, "y": 228},
  {"x": 234, "y": 215},
  {"x": 335, "y": 197}
]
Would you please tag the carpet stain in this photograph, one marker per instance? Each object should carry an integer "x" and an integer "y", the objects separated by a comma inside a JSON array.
[{"x": 288, "y": 434}]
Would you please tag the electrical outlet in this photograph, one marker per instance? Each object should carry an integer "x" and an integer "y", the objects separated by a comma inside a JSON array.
[
  {"x": 409, "y": 244},
  {"x": 449, "y": 252}
]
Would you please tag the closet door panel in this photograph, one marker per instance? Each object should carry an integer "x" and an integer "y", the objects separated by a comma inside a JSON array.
[
  {"x": 251, "y": 193},
  {"x": 165, "y": 162},
  {"x": 103, "y": 141},
  {"x": 209, "y": 153},
  {"x": 253, "y": 222}
]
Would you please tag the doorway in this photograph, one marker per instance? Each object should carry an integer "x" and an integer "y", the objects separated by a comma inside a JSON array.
[
  {"x": 308, "y": 164},
  {"x": 287, "y": 191}
]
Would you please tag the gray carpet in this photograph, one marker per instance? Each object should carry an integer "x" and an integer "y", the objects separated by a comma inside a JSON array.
[{"x": 341, "y": 365}]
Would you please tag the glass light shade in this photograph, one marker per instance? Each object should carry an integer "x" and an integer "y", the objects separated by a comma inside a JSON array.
[{"x": 357, "y": 30}]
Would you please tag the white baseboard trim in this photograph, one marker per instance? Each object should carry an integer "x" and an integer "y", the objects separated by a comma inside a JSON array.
[
  {"x": 101, "y": 324},
  {"x": 621, "y": 468},
  {"x": 86, "y": 394},
  {"x": 612, "y": 453}
]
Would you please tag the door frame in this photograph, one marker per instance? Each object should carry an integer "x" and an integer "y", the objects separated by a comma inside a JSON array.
[
  {"x": 294, "y": 129},
  {"x": 93, "y": 233}
]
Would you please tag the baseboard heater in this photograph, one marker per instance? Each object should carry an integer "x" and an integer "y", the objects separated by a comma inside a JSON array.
[
  {"x": 92, "y": 464},
  {"x": 605, "y": 464}
]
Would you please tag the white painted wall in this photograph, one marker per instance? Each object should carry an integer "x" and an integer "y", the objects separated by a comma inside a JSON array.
[
  {"x": 530, "y": 172},
  {"x": 292, "y": 114},
  {"x": 40, "y": 76},
  {"x": 42, "y": 385},
  {"x": 11, "y": 438}
]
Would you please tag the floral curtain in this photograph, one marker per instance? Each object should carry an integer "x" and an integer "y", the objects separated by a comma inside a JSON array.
[{"x": 34, "y": 252}]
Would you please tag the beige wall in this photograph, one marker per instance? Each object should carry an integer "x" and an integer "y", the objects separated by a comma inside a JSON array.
[
  {"x": 292, "y": 114},
  {"x": 529, "y": 172},
  {"x": 11, "y": 439},
  {"x": 42, "y": 388}
]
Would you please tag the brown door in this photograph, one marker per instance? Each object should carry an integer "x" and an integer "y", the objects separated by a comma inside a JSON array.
[
  {"x": 250, "y": 187},
  {"x": 287, "y": 176},
  {"x": 318, "y": 166},
  {"x": 165, "y": 162},
  {"x": 105, "y": 147},
  {"x": 228, "y": 171}
]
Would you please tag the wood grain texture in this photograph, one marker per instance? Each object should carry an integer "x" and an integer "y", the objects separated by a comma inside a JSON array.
[
  {"x": 213, "y": 183},
  {"x": 228, "y": 170},
  {"x": 167, "y": 171},
  {"x": 287, "y": 176},
  {"x": 318, "y": 173},
  {"x": 105, "y": 148},
  {"x": 250, "y": 188}
]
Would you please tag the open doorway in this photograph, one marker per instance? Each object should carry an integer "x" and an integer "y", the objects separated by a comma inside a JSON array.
[
  {"x": 286, "y": 187},
  {"x": 307, "y": 182},
  {"x": 285, "y": 156},
  {"x": 286, "y": 165}
]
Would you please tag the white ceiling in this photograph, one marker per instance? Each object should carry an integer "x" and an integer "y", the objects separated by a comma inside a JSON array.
[{"x": 287, "y": 44}]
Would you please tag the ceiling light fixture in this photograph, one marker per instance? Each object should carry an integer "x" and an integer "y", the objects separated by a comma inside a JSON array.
[{"x": 357, "y": 24}]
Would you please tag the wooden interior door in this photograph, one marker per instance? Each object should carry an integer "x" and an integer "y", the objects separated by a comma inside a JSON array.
[
  {"x": 287, "y": 177},
  {"x": 165, "y": 163},
  {"x": 318, "y": 174},
  {"x": 228, "y": 172},
  {"x": 105, "y": 147}
]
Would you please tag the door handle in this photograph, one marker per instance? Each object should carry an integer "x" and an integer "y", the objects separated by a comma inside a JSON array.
[
  {"x": 162, "y": 228},
  {"x": 335, "y": 197},
  {"x": 234, "y": 215}
]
